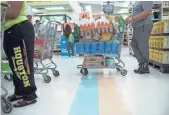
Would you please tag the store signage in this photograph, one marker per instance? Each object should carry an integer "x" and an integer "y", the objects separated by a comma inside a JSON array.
[{"x": 84, "y": 15}]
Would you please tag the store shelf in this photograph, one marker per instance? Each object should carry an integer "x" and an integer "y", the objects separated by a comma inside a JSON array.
[
  {"x": 164, "y": 68},
  {"x": 164, "y": 34},
  {"x": 166, "y": 8},
  {"x": 162, "y": 49},
  {"x": 156, "y": 19}
]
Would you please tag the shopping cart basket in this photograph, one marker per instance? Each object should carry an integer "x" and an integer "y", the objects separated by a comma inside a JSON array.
[
  {"x": 44, "y": 46},
  {"x": 103, "y": 55},
  {"x": 5, "y": 104}
]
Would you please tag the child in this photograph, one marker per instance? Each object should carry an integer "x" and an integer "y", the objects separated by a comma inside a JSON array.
[{"x": 70, "y": 39}]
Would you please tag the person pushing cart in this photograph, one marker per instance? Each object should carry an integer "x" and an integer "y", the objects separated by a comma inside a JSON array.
[{"x": 19, "y": 47}]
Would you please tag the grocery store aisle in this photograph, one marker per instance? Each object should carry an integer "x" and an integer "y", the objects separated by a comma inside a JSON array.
[{"x": 102, "y": 92}]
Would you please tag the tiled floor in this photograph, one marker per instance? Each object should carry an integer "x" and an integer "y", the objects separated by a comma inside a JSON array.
[{"x": 102, "y": 92}]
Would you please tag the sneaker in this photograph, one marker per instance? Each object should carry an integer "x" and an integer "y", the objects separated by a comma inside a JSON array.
[{"x": 143, "y": 68}]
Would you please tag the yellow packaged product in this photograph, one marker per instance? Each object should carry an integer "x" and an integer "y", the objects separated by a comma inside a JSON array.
[
  {"x": 164, "y": 57},
  {"x": 150, "y": 41},
  {"x": 162, "y": 27},
  {"x": 157, "y": 56},
  {"x": 160, "y": 56},
  {"x": 160, "y": 41},
  {"x": 156, "y": 45},
  {"x": 150, "y": 54}
]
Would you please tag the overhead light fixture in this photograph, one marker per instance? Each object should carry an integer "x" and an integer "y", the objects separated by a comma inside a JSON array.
[
  {"x": 35, "y": 10},
  {"x": 55, "y": 8}
]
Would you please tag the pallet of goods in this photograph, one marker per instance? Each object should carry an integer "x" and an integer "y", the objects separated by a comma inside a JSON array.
[{"x": 159, "y": 46}]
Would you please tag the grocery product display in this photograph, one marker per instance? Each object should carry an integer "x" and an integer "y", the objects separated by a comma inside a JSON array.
[
  {"x": 99, "y": 77},
  {"x": 101, "y": 37},
  {"x": 159, "y": 46}
]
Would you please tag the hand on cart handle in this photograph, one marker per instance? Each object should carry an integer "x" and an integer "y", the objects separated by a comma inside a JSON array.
[
  {"x": 5, "y": 5},
  {"x": 129, "y": 19}
]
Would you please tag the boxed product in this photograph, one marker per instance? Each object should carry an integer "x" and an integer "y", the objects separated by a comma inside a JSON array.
[
  {"x": 164, "y": 42},
  {"x": 93, "y": 61},
  {"x": 164, "y": 57}
]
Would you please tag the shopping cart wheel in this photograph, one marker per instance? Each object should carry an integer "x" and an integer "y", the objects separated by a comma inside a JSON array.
[
  {"x": 84, "y": 71},
  {"x": 6, "y": 106},
  {"x": 55, "y": 73},
  {"x": 47, "y": 79},
  {"x": 117, "y": 69},
  {"x": 130, "y": 53},
  {"x": 123, "y": 72}
]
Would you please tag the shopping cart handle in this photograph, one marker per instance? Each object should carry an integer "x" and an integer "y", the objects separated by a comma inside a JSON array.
[
  {"x": 5, "y": 5},
  {"x": 79, "y": 66}
]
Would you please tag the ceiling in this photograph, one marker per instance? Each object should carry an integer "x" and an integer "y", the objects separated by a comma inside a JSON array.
[{"x": 64, "y": 7}]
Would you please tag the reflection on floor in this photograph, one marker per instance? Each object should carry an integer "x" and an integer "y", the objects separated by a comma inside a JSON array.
[{"x": 102, "y": 92}]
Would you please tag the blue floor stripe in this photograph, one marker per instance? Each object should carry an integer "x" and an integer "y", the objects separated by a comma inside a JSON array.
[{"x": 86, "y": 101}]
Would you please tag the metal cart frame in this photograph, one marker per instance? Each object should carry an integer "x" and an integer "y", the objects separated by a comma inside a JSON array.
[
  {"x": 48, "y": 32},
  {"x": 6, "y": 106}
]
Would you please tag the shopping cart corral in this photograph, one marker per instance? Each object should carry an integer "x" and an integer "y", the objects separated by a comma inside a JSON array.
[
  {"x": 44, "y": 45},
  {"x": 6, "y": 106},
  {"x": 103, "y": 54}
]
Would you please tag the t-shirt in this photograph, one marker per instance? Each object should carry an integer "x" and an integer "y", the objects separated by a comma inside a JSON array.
[
  {"x": 71, "y": 38},
  {"x": 138, "y": 8},
  {"x": 20, "y": 18}
]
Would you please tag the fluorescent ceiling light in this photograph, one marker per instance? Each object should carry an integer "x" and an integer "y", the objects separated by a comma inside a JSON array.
[
  {"x": 35, "y": 10},
  {"x": 55, "y": 8}
]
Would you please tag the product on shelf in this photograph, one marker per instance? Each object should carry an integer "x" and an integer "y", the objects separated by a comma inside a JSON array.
[
  {"x": 159, "y": 42},
  {"x": 165, "y": 4},
  {"x": 161, "y": 27},
  {"x": 159, "y": 56}
]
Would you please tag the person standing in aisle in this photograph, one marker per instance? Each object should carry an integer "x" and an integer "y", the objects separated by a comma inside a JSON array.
[
  {"x": 70, "y": 39},
  {"x": 19, "y": 47},
  {"x": 142, "y": 26}
]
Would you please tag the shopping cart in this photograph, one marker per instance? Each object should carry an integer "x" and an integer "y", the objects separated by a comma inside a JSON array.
[
  {"x": 5, "y": 104},
  {"x": 100, "y": 58},
  {"x": 47, "y": 38}
]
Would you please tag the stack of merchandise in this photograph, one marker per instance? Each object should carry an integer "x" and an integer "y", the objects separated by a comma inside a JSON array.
[
  {"x": 160, "y": 27},
  {"x": 93, "y": 61},
  {"x": 159, "y": 42},
  {"x": 41, "y": 48},
  {"x": 99, "y": 36}
]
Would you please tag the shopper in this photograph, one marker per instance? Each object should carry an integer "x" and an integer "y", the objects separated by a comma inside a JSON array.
[
  {"x": 19, "y": 46},
  {"x": 142, "y": 26},
  {"x": 37, "y": 25},
  {"x": 70, "y": 39}
]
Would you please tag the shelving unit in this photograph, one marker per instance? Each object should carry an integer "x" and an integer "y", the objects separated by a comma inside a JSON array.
[
  {"x": 156, "y": 11},
  {"x": 165, "y": 10},
  {"x": 159, "y": 46}
]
